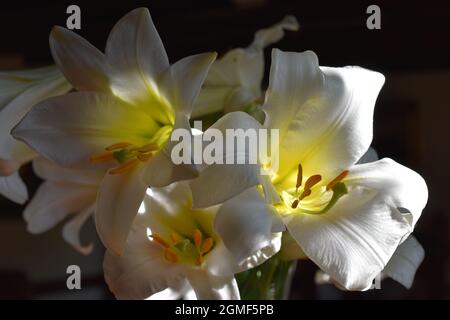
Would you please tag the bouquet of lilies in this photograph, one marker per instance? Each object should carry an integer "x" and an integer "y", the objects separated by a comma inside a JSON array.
[{"x": 102, "y": 128}]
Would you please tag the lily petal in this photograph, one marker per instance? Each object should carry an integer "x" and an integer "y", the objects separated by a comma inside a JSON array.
[
  {"x": 356, "y": 238},
  {"x": 118, "y": 201},
  {"x": 186, "y": 79},
  {"x": 53, "y": 202},
  {"x": 324, "y": 114},
  {"x": 141, "y": 271},
  {"x": 48, "y": 170},
  {"x": 404, "y": 263},
  {"x": 70, "y": 129},
  {"x": 13, "y": 188},
  {"x": 209, "y": 287},
  {"x": 137, "y": 58},
  {"x": 244, "y": 224},
  {"x": 234, "y": 178},
  {"x": 83, "y": 65},
  {"x": 71, "y": 230}
]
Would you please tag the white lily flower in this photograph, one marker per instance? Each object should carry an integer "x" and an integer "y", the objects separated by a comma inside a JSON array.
[
  {"x": 348, "y": 218},
  {"x": 172, "y": 244},
  {"x": 19, "y": 91},
  {"x": 129, "y": 101},
  {"x": 64, "y": 193},
  {"x": 234, "y": 80}
]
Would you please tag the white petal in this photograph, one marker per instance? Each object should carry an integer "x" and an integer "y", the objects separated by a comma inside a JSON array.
[
  {"x": 53, "y": 202},
  {"x": 324, "y": 114},
  {"x": 82, "y": 64},
  {"x": 186, "y": 78},
  {"x": 142, "y": 270},
  {"x": 209, "y": 287},
  {"x": 48, "y": 170},
  {"x": 161, "y": 171},
  {"x": 70, "y": 129},
  {"x": 71, "y": 230},
  {"x": 13, "y": 83},
  {"x": 234, "y": 178},
  {"x": 268, "y": 36},
  {"x": 404, "y": 263},
  {"x": 52, "y": 85},
  {"x": 245, "y": 225},
  {"x": 13, "y": 188},
  {"x": 137, "y": 58},
  {"x": 356, "y": 238},
  {"x": 118, "y": 202}
]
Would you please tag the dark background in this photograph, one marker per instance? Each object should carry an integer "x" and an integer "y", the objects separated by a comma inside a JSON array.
[{"x": 412, "y": 50}]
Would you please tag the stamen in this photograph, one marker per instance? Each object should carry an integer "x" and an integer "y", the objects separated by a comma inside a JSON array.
[
  {"x": 199, "y": 260},
  {"x": 170, "y": 256},
  {"x": 299, "y": 176},
  {"x": 198, "y": 238},
  {"x": 148, "y": 147},
  {"x": 304, "y": 194},
  {"x": 102, "y": 157},
  {"x": 144, "y": 156},
  {"x": 124, "y": 167},
  {"x": 207, "y": 245},
  {"x": 175, "y": 237},
  {"x": 116, "y": 146},
  {"x": 294, "y": 204},
  {"x": 160, "y": 240},
  {"x": 339, "y": 178},
  {"x": 312, "y": 181}
]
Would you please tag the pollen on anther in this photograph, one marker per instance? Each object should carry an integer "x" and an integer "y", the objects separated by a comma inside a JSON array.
[
  {"x": 207, "y": 245},
  {"x": 336, "y": 180},
  {"x": 116, "y": 146},
  {"x": 299, "y": 176},
  {"x": 198, "y": 238},
  {"x": 199, "y": 260},
  {"x": 312, "y": 181},
  {"x": 304, "y": 194},
  {"x": 175, "y": 237},
  {"x": 106, "y": 156},
  {"x": 159, "y": 240},
  {"x": 170, "y": 256}
]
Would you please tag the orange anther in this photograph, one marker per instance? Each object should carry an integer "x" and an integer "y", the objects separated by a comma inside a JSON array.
[
  {"x": 312, "y": 181},
  {"x": 299, "y": 176},
  {"x": 304, "y": 194},
  {"x": 199, "y": 260},
  {"x": 144, "y": 156},
  {"x": 336, "y": 180},
  {"x": 198, "y": 238},
  {"x": 160, "y": 240},
  {"x": 175, "y": 237},
  {"x": 170, "y": 256},
  {"x": 116, "y": 146},
  {"x": 148, "y": 147},
  {"x": 207, "y": 245},
  {"x": 105, "y": 156}
]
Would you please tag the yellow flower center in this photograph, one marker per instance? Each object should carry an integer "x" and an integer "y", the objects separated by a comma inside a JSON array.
[
  {"x": 128, "y": 155},
  {"x": 312, "y": 196},
  {"x": 185, "y": 249}
]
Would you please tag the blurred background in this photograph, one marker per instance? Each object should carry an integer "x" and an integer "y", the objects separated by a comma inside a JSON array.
[{"x": 412, "y": 49}]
